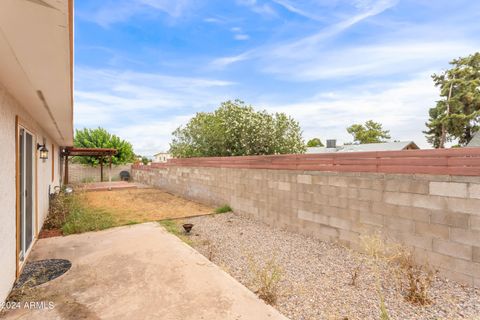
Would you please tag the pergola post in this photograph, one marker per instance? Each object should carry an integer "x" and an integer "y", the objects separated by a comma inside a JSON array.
[
  {"x": 100, "y": 153},
  {"x": 101, "y": 169},
  {"x": 66, "y": 170},
  {"x": 110, "y": 169}
]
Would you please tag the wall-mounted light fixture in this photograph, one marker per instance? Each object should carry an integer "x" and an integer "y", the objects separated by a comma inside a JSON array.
[{"x": 43, "y": 151}]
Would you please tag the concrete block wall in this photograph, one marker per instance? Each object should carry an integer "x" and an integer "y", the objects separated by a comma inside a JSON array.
[
  {"x": 79, "y": 173},
  {"x": 438, "y": 216}
]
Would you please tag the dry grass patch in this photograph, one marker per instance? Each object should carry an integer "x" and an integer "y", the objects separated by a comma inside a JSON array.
[
  {"x": 69, "y": 213},
  {"x": 414, "y": 279},
  {"x": 141, "y": 205},
  {"x": 266, "y": 279}
]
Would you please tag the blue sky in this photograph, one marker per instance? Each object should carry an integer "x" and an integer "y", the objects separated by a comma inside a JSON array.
[{"x": 144, "y": 67}]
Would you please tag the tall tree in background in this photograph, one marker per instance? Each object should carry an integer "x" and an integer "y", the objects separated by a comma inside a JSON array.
[
  {"x": 101, "y": 138},
  {"x": 315, "y": 142},
  {"x": 235, "y": 129},
  {"x": 371, "y": 132},
  {"x": 435, "y": 129},
  {"x": 457, "y": 114}
]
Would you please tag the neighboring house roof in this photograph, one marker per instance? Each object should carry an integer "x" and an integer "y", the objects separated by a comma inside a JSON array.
[
  {"x": 386, "y": 146},
  {"x": 475, "y": 142},
  {"x": 320, "y": 150}
]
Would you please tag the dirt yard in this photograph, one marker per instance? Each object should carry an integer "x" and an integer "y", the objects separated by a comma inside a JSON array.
[{"x": 144, "y": 204}]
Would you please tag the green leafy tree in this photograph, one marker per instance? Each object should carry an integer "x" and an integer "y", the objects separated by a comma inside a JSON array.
[
  {"x": 101, "y": 138},
  {"x": 315, "y": 142},
  {"x": 371, "y": 132},
  {"x": 235, "y": 129},
  {"x": 456, "y": 115}
]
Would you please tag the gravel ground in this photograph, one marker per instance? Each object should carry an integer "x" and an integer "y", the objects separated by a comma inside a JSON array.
[
  {"x": 317, "y": 276},
  {"x": 38, "y": 272}
]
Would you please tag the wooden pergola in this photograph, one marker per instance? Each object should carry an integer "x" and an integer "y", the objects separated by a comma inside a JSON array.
[{"x": 100, "y": 153}]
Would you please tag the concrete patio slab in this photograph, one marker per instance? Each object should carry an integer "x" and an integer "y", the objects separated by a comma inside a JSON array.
[
  {"x": 139, "y": 272},
  {"x": 114, "y": 185}
]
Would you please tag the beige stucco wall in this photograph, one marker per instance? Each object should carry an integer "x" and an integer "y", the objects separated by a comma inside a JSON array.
[
  {"x": 9, "y": 108},
  {"x": 437, "y": 216}
]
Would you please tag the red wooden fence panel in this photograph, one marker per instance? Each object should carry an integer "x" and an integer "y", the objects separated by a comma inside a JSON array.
[{"x": 458, "y": 161}]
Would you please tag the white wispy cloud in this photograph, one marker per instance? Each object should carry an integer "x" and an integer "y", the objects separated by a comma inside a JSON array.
[
  {"x": 109, "y": 77},
  {"x": 334, "y": 29},
  {"x": 214, "y": 20},
  {"x": 225, "y": 61},
  {"x": 172, "y": 8},
  {"x": 238, "y": 34},
  {"x": 309, "y": 44},
  {"x": 241, "y": 37},
  {"x": 399, "y": 49},
  {"x": 293, "y": 7},
  {"x": 401, "y": 107},
  {"x": 126, "y": 101},
  {"x": 152, "y": 136},
  {"x": 111, "y": 12},
  {"x": 379, "y": 59},
  {"x": 263, "y": 9}
]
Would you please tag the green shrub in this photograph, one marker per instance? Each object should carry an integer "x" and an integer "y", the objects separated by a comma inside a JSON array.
[
  {"x": 60, "y": 205},
  {"x": 223, "y": 209},
  {"x": 237, "y": 129}
]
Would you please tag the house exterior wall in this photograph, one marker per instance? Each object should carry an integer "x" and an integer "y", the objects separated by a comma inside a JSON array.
[
  {"x": 162, "y": 157},
  {"x": 9, "y": 109},
  {"x": 438, "y": 216},
  {"x": 475, "y": 142}
]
